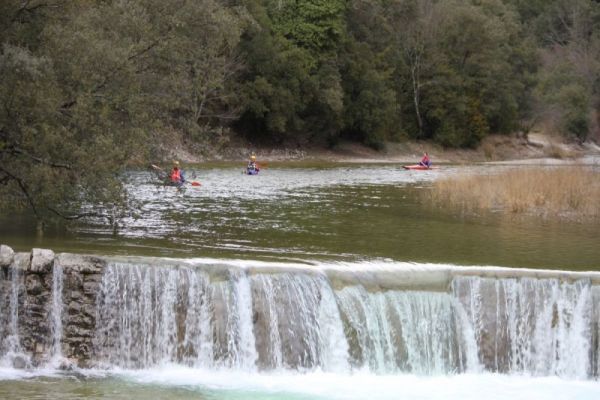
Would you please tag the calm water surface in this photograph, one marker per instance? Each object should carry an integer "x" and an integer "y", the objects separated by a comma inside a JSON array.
[{"x": 325, "y": 212}]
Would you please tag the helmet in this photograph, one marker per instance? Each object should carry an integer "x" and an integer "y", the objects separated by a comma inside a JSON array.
[
  {"x": 176, "y": 163},
  {"x": 253, "y": 157}
]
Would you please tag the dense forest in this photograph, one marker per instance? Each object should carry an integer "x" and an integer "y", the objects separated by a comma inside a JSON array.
[{"x": 89, "y": 86}]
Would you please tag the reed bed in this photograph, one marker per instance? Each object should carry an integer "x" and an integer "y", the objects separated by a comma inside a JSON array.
[{"x": 566, "y": 192}]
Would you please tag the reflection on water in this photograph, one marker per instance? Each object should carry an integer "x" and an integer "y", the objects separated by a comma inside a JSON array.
[{"x": 328, "y": 213}]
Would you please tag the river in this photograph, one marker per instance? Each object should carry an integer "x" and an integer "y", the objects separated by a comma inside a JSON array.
[
  {"x": 319, "y": 212},
  {"x": 312, "y": 303}
]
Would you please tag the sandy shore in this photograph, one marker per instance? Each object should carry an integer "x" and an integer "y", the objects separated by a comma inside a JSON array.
[{"x": 535, "y": 149}]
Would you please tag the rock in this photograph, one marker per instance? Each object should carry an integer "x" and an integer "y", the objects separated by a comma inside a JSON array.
[
  {"x": 82, "y": 351},
  {"x": 20, "y": 362},
  {"x": 33, "y": 285},
  {"x": 41, "y": 260},
  {"x": 7, "y": 255},
  {"x": 74, "y": 307},
  {"x": 65, "y": 364},
  {"x": 40, "y": 348},
  {"x": 81, "y": 264},
  {"x": 90, "y": 288}
]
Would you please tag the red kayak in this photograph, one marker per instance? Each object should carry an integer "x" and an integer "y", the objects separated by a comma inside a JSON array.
[{"x": 417, "y": 166}]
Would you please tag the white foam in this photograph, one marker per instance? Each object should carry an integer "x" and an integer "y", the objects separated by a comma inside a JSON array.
[
  {"x": 373, "y": 266},
  {"x": 9, "y": 374},
  {"x": 368, "y": 386}
]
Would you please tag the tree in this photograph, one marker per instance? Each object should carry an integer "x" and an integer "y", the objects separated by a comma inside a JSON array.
[
  {"x": 64, "y": 125},
  {"x": 370, "y": 111},
  {"x": 192, "y": 73},
  {"x": 453, "y": 62},
  {"x": 88, "y": 87},
  {"x": 292, "y": 88},
  {"x": 569, "y": 86},
  {"x": 416, "y": 41}
]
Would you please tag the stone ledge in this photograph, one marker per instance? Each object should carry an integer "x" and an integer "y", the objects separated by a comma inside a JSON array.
[
  {"x": 42, "y": 261},
  {"x": 7, "y": 256}
]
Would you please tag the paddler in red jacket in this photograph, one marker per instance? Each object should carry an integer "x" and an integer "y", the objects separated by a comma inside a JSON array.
[
  {"x": 176, "y": 175},
  {"x": 425, "y": 161}
]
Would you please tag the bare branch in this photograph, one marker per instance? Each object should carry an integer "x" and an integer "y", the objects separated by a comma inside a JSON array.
[
  {"x": 23, "y": 187},
  {"x": 75, "y": 216},
  {"x": 18, "y": 151},
  {"x": 26, "y": 8}
]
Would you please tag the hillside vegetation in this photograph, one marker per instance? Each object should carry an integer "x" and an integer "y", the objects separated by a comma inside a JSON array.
[{"x": 89, "y": 86}]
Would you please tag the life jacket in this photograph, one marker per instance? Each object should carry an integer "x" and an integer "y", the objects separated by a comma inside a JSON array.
[{"x": 176, "y": 175}]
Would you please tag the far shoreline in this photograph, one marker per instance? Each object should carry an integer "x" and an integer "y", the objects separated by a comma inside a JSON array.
[{"x": 537, "y": 149}]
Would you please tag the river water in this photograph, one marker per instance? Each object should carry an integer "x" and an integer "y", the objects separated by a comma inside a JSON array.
[
  {"x": 356, "y": 342},
  {"x": 320, "y": 212}
]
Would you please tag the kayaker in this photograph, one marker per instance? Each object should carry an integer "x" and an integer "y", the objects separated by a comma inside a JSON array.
[
  {"x": 425, "y": 161},
  {"x": 252, "y": 164},
  {"x": 176, "y": 175}
]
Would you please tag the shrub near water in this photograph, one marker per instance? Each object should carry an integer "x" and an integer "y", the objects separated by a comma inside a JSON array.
[{"x": 572, "y": 193}]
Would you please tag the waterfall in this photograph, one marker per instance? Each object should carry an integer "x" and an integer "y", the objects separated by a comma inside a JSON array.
[
  {"x": 232, "y": 321},
  {"x": 137, "y": 323},
  {"x": 152, "y": 315},
  {"x": 251, "y": 317},
  {"x": 228, "y": 317},
  {"x": 56, "y": 312},
  {"x": 535, "y": 326},
  {"x": 10, "y": 345},
  {"x": 394, "y": 331},
  {"x": 299, "y": 315}
]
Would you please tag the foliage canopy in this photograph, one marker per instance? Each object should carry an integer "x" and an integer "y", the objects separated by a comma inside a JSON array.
[{"x": 91, "y": 87}]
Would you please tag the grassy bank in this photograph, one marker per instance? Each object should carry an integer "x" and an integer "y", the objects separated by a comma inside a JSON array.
[{"x": 567, "y": 192}]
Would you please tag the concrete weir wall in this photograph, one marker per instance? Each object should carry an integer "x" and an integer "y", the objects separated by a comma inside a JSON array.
[{"x": 137, "y": 312}]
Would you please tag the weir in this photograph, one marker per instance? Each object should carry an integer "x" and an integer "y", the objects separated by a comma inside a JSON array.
[{"x": 387, "y": 318}]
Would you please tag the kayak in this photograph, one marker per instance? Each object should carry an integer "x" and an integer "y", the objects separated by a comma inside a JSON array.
[
  {"x": 417, "y": 167},
  {"x": 166, "y": 180},
  {"x": 252, "y": 171}
]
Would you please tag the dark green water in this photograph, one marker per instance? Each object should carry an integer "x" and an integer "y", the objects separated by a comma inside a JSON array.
[{"x": 327, "y": 212}]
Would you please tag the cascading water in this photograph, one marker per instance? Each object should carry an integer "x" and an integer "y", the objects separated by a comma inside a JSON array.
[
  {"x": 226, "y": 316},
  {"x": 153, "y": 315},
  {"x": 538, "y": 326},
  {"x": 148, "y": 315},
  {"x": 393, "y": 331},
  {"x": 299, "y": 316},
  {"x": 10, "y": 346},
  {"x": 233, "y": 324},
  {"x": 56, "y": 312}
]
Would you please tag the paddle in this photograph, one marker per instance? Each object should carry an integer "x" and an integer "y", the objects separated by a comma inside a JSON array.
[{"x": 157, "y": 168}]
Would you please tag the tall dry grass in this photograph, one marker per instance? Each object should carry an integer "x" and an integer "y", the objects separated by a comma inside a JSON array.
[{"x": 566, "y": 192}]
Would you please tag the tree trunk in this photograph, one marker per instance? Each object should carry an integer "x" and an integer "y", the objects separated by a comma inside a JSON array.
[{"x": 416, "y": 91}]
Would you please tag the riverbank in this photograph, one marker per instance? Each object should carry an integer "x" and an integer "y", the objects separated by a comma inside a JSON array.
[
  {"x": 536, "y": 148},
  {"x": 569, "y": 193}
]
